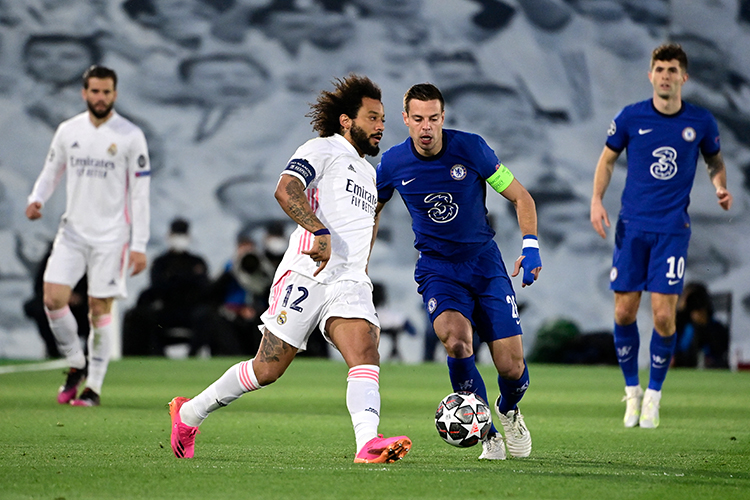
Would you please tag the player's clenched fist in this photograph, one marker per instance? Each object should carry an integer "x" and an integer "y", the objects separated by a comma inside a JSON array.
[{"x": 34, "y": 210}]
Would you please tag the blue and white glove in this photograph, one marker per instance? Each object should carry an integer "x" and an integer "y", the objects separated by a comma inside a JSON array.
[{"x": 531, "y": 258}]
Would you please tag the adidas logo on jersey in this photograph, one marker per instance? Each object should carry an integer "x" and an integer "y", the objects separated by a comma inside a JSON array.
[
  {"x": 351, "y": 168},
  {"x": 75, "y": 145}
]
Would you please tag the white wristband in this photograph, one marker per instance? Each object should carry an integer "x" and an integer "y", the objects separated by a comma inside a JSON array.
[{"x": 530, "y": 243}]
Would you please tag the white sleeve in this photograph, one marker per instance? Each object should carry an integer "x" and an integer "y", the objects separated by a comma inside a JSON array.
[
  {"x": 54, "y": 168},
  {"x": 139, "y": 172}
]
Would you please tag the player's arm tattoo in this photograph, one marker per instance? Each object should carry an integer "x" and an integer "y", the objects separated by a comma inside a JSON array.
[
  {"x": 715, "y": 165},
  {"x": 271, "y": 347},
  {"x": 298, "y": 207}
]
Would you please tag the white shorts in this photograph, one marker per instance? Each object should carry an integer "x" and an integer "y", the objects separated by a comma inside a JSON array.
[
  {"x": 297, "y": 304},
  {"x": 104, "y": 265}
]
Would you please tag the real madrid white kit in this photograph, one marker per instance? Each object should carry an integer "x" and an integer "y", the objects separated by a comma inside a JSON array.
[
  {"x": 107, "y": 208},
  {"x": 340, "y": 186}
]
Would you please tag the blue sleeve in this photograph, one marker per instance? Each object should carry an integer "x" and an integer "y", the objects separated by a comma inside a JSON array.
[
  {"x": 486, "y": 160},
  {"x": 385, "y": 187},
  {"x": 710, "y": 144},
  {"x": 617, "y": 135}
]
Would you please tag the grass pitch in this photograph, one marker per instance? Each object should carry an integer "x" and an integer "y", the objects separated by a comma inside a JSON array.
[{"x": 294, "y": 439}]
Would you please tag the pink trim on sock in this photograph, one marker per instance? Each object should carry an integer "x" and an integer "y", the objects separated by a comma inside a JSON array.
[
  {"x": 247, "y": 377},
  {"x": 57, "y": 313},
  {"x": 101, "y": 321},
  {"x": 364, "y": 372}
]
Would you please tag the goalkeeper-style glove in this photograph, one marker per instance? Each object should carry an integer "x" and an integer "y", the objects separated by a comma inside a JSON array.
[{"x": 531, "y": 258}]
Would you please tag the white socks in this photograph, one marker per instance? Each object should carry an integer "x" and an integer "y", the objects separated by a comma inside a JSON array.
[
  {"x": 99, "y": 343},
  {"x": 63, "y": 324},
  {"x": 363, "y": 402},
  {"x": 235, "y": 382}
]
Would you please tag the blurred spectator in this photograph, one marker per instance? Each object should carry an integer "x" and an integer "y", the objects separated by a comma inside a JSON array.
[
  {"x": 275, "y": 243},
  {"x": 393, "y": 322},
  {"x": 34, "y": 308},
  {"x": 236, "y": 298},
  {"x": 702, "y": 341},
  {"x": 172, "y": 308}
]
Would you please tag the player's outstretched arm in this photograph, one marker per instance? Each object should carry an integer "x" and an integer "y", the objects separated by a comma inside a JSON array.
[
  {"x": 290, "y": 193},
  {"x": 602, "y": 176},
  {"x": 717, "y": 172},
  {"x": 530, "y": 260}
]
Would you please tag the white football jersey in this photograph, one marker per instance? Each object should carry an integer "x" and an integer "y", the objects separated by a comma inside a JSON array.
[
  {"x": 108, "y": 178},
  {"x": 341, "y": 190}
]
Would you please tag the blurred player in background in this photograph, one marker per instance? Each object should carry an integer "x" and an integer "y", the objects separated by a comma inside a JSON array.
[
  {"x": 328, "y": 189},
  {"x": 441, "y": 175},
  {"x": 103, "y": 231},
  {"x": 663, "y": 137}
]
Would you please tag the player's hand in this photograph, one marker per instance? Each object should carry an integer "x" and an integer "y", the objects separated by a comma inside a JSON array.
[
  {"x": 34, "y": 210},
  {"x": 599, "y": 214},
  {"x": 725, "y": 198},
  {"x": 320, "y": 251},
  {"x": 137, "y": 262},
  {"x": 530, "y": 260}
]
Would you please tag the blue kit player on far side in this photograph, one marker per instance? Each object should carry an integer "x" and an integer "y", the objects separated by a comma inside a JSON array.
[
  {"x": 663, "y": 137},
  {"x": 442, "y": 176}
]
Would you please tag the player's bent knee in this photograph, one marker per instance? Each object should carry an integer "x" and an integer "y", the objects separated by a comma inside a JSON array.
[{"x": 458, "y": 348}]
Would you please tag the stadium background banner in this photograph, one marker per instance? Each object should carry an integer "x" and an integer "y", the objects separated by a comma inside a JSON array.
[{"x": 221, "y": 87}]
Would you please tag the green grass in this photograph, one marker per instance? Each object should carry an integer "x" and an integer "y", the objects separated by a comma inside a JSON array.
[{"x": 294, "y": 439}]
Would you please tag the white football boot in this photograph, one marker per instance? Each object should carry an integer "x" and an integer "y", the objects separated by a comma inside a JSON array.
[
  {"x": 650, "y": 409},
  {"x": 633, "y": 400},
  {"x": 493, "y": 448},
  {"x": 517, "y": 437}
]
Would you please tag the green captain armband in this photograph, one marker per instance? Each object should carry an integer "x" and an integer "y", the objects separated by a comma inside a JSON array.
[{"x": 501, "y": 179}]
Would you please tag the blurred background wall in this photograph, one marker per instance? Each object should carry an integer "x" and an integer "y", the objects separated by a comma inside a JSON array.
[{"x": 221, "y": 87}]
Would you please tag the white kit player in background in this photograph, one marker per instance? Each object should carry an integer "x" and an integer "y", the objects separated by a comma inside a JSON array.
[
  {"x": 328, "y": 189},
  {"x": 103, "y": 231}
]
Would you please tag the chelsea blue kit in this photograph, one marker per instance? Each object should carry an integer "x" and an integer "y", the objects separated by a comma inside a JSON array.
[
  {"x": 653, "y": 228},
  {"x": 460, "y": 266}
]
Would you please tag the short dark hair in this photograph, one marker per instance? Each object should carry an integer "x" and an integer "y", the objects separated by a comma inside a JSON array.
[
  {"x": 346, "y": 99},
  {"x": 669, "y": 51},
  {"x": 423, "y": 92},
  {"x": 179, "y": 226},
  {"x": 185, "y": 69},
  {"x": 101, "y": 72}
]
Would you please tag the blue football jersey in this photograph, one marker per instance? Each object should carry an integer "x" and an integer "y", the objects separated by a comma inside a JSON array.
[
  {"x": 445, "y": 194},
  {"x": 662, "y": 154}
]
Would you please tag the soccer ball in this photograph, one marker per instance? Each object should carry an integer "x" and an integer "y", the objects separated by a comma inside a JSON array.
[{"x": 463, "y": 419}]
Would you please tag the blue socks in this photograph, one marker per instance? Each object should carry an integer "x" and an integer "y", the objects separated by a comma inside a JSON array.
[
  {"x": 511, "y": 391},
  {"x": 627, "y": 342},
  {"x": 662, "y": 349},
  {"x": 465, "y": 377}
]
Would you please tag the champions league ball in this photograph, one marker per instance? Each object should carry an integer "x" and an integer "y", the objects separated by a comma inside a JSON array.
[{"x": 462, "y": 419}]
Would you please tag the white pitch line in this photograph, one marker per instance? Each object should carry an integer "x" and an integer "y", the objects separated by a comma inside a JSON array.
[{"x": 34, "y": 367}]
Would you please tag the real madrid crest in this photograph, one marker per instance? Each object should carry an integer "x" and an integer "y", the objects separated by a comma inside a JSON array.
[
  {"x": 281, "y": 319},
  {"x": 458, "y": 172},
  {"x": 112, "y": 149}
]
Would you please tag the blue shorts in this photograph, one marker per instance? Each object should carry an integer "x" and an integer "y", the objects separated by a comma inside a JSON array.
[
  {"x": 646, "y": 261},
  {"x": 478, "y": 288}
]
